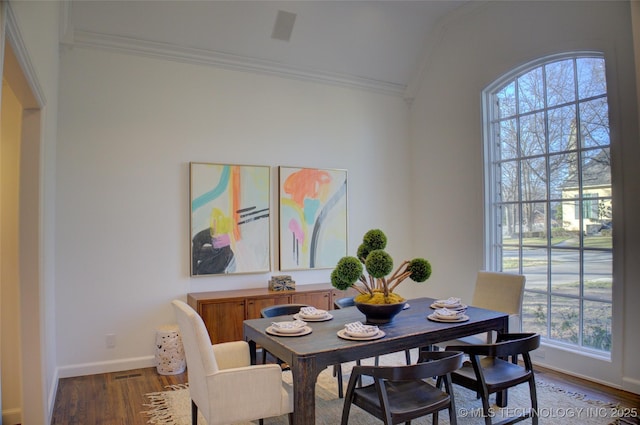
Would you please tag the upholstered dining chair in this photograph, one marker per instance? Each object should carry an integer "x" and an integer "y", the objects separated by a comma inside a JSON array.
[
  {"x": 497, "y": 291},
  {"x": 401, "y": 393},
  {"x": 222, "y": 382},
  {"x": 494, "y": 367},
  {"x": 279, "y": 310},
  {"x": 503, "y": 292}
]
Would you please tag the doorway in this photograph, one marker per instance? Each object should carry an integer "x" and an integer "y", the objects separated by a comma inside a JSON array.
[{"x": 20, "y": 346}]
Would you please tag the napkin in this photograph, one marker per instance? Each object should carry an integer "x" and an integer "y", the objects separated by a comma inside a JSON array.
[
  {"x": 449, "y": 302},
  {"x": 311, "y": 312},
  {"x": 358, "y": 329},
  {"x": 296, "y": 324},
  {"x": 445, "y": 313}
]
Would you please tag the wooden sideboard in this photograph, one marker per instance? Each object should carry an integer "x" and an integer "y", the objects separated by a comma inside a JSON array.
[{"x": 224, "y": 311}]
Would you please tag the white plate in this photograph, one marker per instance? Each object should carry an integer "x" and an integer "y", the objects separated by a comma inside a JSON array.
[
  {"x": 343, "y": 334},
  {"x": 306, "y": 330},
  {"x": 456, "y": 308},
  {"x": 315, "y": 319},
  {"x": 289, "y": 327},
  {"x": 435, "y": 318}
]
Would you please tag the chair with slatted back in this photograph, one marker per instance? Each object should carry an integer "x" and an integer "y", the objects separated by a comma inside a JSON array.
[
  {"x": 402, "y": 393},
  {"x": 493, "y": 368}
]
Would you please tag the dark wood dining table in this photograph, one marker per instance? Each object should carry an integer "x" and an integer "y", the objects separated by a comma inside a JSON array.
[{"x": 310, "y": 354}]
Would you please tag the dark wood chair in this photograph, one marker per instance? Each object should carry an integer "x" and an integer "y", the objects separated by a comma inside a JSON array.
[
  {"x": 493, "y": 368},
  {"x": 279, "y": 310},
  {"x": 401, "y": 393},
  {"x": 344, "y": 302},
  {"x": 282, "y": 310}
]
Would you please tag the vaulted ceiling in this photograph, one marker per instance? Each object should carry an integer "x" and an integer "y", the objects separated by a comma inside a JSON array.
[{"x": 378, "y": 45}]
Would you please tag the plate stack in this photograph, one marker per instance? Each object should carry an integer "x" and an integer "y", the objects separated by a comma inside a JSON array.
[{"x": 449, "y": 310}]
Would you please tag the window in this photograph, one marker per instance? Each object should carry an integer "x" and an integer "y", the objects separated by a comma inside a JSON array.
[{"x": 548, "y": 197}]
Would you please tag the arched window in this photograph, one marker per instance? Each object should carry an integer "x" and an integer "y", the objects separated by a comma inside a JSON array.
[{"x": 548, "y": 195}]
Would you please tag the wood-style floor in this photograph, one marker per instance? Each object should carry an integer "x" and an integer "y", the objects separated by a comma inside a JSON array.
[{"x": 118, "y": 398}]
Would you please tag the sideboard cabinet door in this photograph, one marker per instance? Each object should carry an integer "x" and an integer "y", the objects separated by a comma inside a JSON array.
[
  {"x": 254, "y": 305},
  {"x": 318, "y": 299},
  {"x": 224, "y": 320}
]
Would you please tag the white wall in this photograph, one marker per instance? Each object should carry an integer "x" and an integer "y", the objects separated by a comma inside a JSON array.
[
  {"x": 477, "y": 45},
  {"x": 129, "y": 127}
]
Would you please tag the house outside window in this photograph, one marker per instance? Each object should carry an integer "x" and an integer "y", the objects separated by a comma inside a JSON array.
[{"x": 548, "y": 195}]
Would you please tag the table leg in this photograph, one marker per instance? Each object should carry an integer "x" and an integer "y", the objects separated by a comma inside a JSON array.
[
  {"x": 252, "y": 351},
  {"x": 502, "y": 396},
  {"x": 304, "y": 390}
]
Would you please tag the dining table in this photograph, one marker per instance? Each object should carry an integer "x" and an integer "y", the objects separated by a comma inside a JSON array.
[{"x": 309, "y": 354}]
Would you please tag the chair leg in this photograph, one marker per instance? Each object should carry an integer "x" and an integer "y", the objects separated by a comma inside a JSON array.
[
  {"x": 194, "y": 413},
  {"x": 290, "y": 416},
  {"x": 485, "y": 405},
  {"x": 453, "y": 418},
  {"x": 338, "y": 371},
  {"x": 260, "y": 421},
  {"x": 534, "y": 401}
]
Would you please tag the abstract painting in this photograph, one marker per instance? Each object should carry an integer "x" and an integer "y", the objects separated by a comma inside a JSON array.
[
  {"x": 313, "y": 217},
  {"x": 229, "y": 218}
]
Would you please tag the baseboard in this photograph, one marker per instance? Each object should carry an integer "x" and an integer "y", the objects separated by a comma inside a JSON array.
[
  {"x": 578, "y": 375},
  {"x": 631, "y": 385},
  {"x": 105, "y": 367},
  {"x": 11, "y": 416}
]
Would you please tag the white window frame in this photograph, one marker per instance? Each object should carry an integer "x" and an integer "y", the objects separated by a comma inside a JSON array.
[{"x": 493, "y": 256}]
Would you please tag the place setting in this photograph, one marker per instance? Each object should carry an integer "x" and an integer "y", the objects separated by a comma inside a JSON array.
[
  {"x": 357, "y": 331},
  {"x": 451, "y": 303},
  {"x": 312, "y": 314},
  {"x": 449, "y": 310},
  {"x": 289, "y": 328}
]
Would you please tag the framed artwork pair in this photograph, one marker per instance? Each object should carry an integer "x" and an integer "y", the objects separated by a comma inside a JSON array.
[{"x": 230, "y": 218}]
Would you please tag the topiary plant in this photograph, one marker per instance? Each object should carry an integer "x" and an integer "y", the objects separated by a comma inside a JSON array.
[{"x": 377, "y": 288}]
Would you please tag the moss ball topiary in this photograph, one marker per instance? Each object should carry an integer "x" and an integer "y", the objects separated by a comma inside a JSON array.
[
  {"x": 379, "y": 263},
  {"x": 347, "y": 271},
  {"x": 420, "y": 269},
  {"x": 375, "y": 239}
]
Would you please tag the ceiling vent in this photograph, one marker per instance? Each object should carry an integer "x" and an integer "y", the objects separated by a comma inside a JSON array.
[{"x": 283, "y": 27}]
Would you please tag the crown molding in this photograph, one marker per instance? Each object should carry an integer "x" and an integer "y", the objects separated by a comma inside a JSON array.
[
  {"x": 173, "y": 52},
  {"x": 15, "y": 39}
]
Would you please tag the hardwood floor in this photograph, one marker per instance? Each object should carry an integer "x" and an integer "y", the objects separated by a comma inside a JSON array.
[
  {"x": 117, "y": 398},
  {"x": 109, "y": 398}
]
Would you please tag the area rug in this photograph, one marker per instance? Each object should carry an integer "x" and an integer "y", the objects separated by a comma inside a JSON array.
[{"x": 556, "y": 405}]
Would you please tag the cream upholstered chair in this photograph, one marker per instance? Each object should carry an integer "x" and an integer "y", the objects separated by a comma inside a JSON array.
[
  {"x": 501, "y": 292},
  {"x": 222, "y": 382},
  {"x": 496, "y": 291}
]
